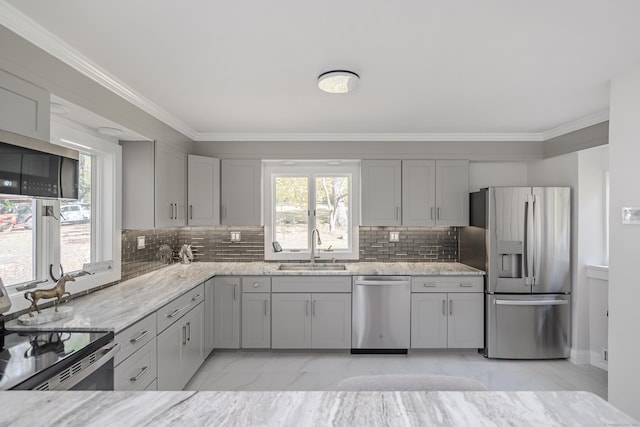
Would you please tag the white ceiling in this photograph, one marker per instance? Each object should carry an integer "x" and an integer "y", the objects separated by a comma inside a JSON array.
[{"x": 247, "y": 69}]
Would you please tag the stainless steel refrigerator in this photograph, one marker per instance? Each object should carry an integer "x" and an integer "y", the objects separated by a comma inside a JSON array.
[{"x": 521, "y": 237}]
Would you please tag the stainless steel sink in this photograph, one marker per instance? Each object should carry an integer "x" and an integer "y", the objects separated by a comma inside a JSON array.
[{"x": 312, "y": 267}]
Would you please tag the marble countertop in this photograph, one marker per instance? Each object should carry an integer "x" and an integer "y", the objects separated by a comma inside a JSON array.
[
  {"x": 120, "y": 306},
  {"x": 291, "y": 408}
]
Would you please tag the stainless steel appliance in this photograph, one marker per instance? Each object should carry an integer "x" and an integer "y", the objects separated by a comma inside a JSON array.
[
  {"x": 381, "y": 314},
  {"x": 521, "y": 237},
  {"x": 56, "y": 360},
  {"x": 30, "y": 167}
]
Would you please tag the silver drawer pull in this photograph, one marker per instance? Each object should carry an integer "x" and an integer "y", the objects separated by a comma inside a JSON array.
[
  {"x": 466, "y": 285},
  {"x": 141, "y": 373},
  {"x": 429, "y": 285},
  {"x": 139, "y": 337},
  {"x": 174, "y": 312},
  {"x": 195, "y": 297}
]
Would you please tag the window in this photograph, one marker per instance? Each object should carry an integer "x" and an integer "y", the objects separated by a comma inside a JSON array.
[
  {"x": 311, "y": 195},
  {"x": 75, "y": 234}
]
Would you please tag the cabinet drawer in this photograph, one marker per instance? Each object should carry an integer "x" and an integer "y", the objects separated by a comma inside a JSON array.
[
  {"x": 311, "y": 284},
  {"x": 447, "y": 284},
  {"x": 134, "y": 337},
  {"x": 256, "y": 284},
  {"x": 138, "y": 371},
  {"x": 177, "y": 308}
]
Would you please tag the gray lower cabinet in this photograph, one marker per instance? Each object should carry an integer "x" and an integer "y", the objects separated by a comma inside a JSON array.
[
  {"x": 181, "y": 350},
  {"x": 311, "y": 320},
  {"x": 447, "y": 320},
  {"x": 256, "y": 320},
  {"x": 226, "y": 312},
  {"x": 138, "y": 371}
]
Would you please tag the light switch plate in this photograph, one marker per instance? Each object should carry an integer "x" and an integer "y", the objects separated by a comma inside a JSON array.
[
  {"x": 631, "y": 215},
  {"x": 140, "y": 242},
  {"x": 234, "y": 236},
  {"x": 394, "y": 236}
]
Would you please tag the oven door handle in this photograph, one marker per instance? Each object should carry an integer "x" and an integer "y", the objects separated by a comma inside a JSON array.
[{"x": 108, "y": 353}]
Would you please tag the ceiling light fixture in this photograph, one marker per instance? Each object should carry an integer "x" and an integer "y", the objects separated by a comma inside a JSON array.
[
  {"x": 107, "y": 131},
  {"x": 338, "y": 81}
]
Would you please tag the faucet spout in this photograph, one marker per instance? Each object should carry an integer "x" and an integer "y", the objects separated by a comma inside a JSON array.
[{"x": 315, "y": 240}]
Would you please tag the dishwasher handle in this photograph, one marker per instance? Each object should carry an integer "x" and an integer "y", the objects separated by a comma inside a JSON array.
[{"x": 381, "y": 282}]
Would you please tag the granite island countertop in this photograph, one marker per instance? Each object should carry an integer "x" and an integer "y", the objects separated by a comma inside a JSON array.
[
  {"x": 120, "y": 306},
  {"x": 308, "y": 408}
]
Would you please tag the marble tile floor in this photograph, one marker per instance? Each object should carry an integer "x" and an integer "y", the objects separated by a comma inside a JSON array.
[{"x": 279, "y": 371}]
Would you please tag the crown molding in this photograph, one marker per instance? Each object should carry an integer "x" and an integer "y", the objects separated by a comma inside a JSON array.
[
  {"x": 590, "y": 120},
  {"x": 372, "y": 137},
  {"x": 34, "y": 33}
]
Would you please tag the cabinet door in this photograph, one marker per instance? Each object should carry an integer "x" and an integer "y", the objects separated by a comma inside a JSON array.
[
  {"x": 466, "y": 320},
  {"x": 170, "y": 343},
  {"x": 169, "y": 187},
  {"x": 419, "y": 192},
  {"x": 24, "y": 107},
  {"x": 256, "y": 320},
  {"x": 241, "y": 193},
  {"x": 381, "y": 192},
  {"x": 429, "y": 320},
  {"x": 203, "y": 191},
  {"x": 226, "y": 312},
  {"x": 208, "y": 316},
  {"x": 291, "y": 321},
  {"x": 193, "y": 350},
  {"x": 331, "y": 320},
  {"x": 452, "y": 193}
]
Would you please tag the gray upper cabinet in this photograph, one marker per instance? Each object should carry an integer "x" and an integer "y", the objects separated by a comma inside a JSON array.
[
  {"x": 435, "y": 192},
  {"x": 153, "y": 185},
  {"x": 203, "y": 207},
  {"x": 24, "y": 107},
  {"x": 452, "y": 192},
  {"x": 381, "y": 192},
  {"x": 241, "y": 195}
]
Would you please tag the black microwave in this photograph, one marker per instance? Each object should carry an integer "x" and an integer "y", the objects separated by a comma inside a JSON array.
[{"x": 29, "y": 167}]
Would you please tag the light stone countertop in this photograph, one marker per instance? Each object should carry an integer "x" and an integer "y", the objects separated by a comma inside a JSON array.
[
  {"x": 308, "y": 408},
  {"x": 120, "y": 306}
]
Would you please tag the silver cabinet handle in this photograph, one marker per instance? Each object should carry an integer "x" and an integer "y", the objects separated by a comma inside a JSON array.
[
  {"x": 184, "y": 335},
  {"x": 444, "y": 310},
  {"x": 188, "y": 331},
  {"x": 313, "y": 308},
  {"x": 235, "y": 292},
  {"x": 466, "y": 285},
  {"x": 397, "y": 212},
  {"x": 191, "y": 211},
  {"x": 266, "y": 308},
  {"x": 438, "y": 212},
  {"x": 429, "y": 285},
  {"x": 196, "y": 297},
  {"x": 306, "y": 307},
  {"x": 141, "y": 373},
  {"x": 139, "y": 337},
  {"x": 174, "y": 312},
  {"x": 450, "y": 307}
]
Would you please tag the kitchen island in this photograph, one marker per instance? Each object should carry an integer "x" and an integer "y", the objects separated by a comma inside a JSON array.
[{"x": 90, "y": 408}]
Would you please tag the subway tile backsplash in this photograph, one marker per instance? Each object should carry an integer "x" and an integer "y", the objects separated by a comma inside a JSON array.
[{"x": 415, "y": 244}]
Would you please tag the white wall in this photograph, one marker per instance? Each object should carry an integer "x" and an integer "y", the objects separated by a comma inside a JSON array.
[
  {"x": 496, "y": 174},
  {"x": 624, "y": 246},
  {"x": 563, "y": 171}
]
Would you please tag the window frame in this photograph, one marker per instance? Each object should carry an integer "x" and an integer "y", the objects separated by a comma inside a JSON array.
[
  {"x": 106, "y": 216},
  {"x": 311, "y": 169}
]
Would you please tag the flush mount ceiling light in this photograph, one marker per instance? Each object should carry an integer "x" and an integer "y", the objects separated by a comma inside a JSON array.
[
  {"x": 109, "y": 131},
  {"x": 338, "y": 81}
]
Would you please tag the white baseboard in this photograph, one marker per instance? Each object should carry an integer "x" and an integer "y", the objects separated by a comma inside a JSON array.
[
  {"x": 580, "y": 357},
  {"x": 596, "y": 360}
]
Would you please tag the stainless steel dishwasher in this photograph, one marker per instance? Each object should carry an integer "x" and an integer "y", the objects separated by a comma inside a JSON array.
[{"x": 381, "y": 314}]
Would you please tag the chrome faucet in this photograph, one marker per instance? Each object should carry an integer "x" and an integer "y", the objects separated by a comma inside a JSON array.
[{"x": 313, "y": 245}]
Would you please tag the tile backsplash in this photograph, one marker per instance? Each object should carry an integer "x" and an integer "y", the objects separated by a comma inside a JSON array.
[{"x": 415, "y": 244}]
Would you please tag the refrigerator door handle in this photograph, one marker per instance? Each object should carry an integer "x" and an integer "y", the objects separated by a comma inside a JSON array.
[
  {"x": 533, "y": 302},
  {"x": 534, "y": 227},
  {"x": 526, "y": 244}
]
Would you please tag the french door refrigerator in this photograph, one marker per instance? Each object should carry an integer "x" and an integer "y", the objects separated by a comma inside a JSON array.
[{"x": 521, "y": 237}]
